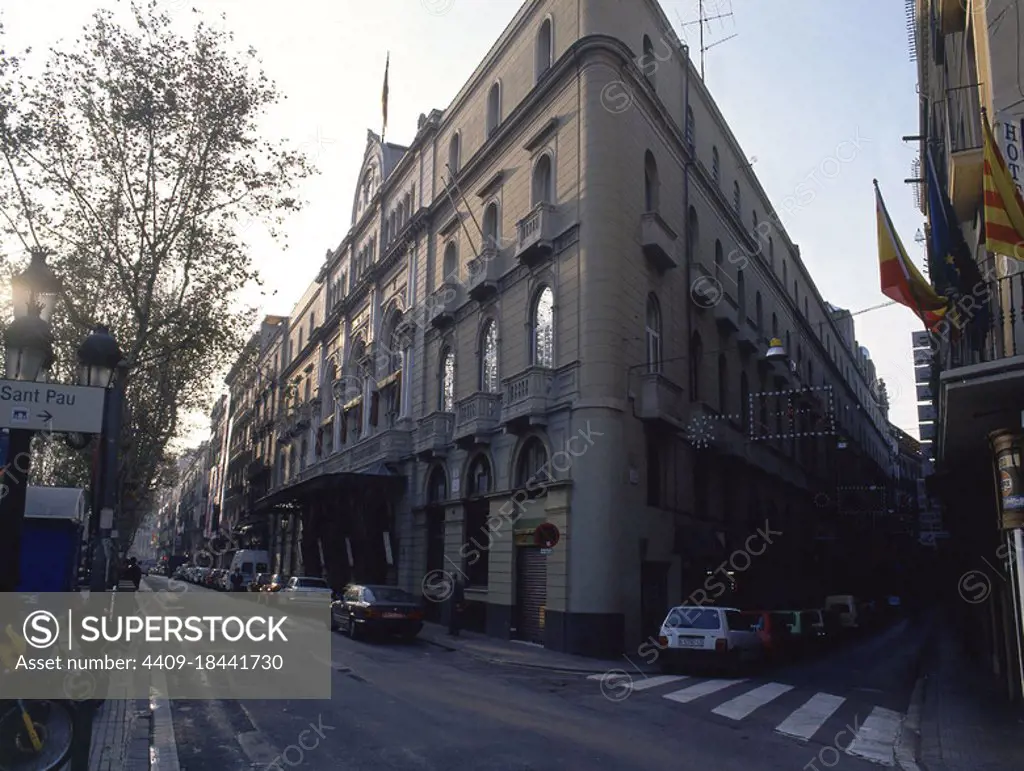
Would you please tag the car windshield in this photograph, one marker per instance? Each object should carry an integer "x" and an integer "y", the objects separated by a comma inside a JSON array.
[
  {"x": 388, "y": 594},
  {"x": 312, "y": 583},
  {"x": 693, "y": 618}
]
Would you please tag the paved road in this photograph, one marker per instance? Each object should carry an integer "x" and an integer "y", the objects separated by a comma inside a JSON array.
[{"x": 415, "y": 706}]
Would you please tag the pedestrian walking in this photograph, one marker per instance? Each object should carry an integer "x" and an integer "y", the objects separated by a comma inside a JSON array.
[
  {"x": 457, "y": 601},
  {"x": 134, "y": 572},
  {"x": 237, "y": 580}
]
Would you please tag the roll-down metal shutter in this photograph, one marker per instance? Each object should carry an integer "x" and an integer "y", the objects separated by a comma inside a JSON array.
[{"x": 531, "y": 593}]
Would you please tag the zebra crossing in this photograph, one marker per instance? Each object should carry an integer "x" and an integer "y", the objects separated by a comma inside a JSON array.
[{"x": 871, "y": 733}]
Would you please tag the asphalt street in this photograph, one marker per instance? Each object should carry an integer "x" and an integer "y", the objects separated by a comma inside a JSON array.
[{"x": 416, "y": 706}]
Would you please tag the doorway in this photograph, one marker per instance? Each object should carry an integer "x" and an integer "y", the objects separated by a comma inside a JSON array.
[
  {"x": 531, "y": 594},
  {"x": 435, "y": 554}
]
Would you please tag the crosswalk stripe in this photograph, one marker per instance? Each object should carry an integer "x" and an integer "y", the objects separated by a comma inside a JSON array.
[
  {"x": 687, "y": 695},
  {"x": 741, "y": 706},
  {"x": 876, "y": 738},
  {"x": 654, "y": 682},
  {"x": 805, "y": 722}
]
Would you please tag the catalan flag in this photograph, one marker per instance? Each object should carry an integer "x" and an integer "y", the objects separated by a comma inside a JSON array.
[
  {"x": 1004, "y": 209},
  {"x": 901, "y": 280}
]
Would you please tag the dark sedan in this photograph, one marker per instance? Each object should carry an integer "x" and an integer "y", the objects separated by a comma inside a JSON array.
[{"x": 386, "y": 610}]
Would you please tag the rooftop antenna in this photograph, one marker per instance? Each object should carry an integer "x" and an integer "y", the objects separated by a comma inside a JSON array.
[{"x": 705, "y": 19}]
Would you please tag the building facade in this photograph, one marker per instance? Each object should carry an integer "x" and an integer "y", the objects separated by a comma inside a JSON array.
[
  {"x": 553, "y": 307},
  {"x": 967, "y": 55}
]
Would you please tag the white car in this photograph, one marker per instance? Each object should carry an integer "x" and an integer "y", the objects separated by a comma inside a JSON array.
[
  {"x": 308, "y": 588},
  {"x": 721, "y": 636}
]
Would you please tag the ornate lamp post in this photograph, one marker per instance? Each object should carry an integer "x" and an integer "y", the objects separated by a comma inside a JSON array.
[{"x": 28, "y": 357}]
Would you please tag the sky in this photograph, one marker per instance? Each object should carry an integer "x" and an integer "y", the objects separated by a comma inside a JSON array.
[{"x": 799, "y": 79}]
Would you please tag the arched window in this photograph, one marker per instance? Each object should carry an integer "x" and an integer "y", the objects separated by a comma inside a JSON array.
[
  {"x": 543, "y": 329},
  {"x": 531, "y": 465},
  {"x": 651, "y": 183},
  {"x": 775, "y": 325},
  {"x": 446, "y": 382},
  {"x": 480, "y": 476},
  {"x": 493, "y": 109},
  {"x": 543, "y": 191},
  {"x": 395, "y": 341},
  {"x": 545, "y": 48},
  {"x": 451, "y": 262},
  {"x": 489, "y": 357},
  {"x": 650, "y": 64},
  {"x": 691, "y": 127},
  {"x": 759, "y": 311},
  {"x": 491, "y": 235},
  {"x": 696, "y": 355},
  {"x": 437, "y": 486},
  {"x": 736, "y": 196},
  {"x": 719, "y": 258},
  {"x": 723, "y": 385},
  {"x": 653, "y": 334},
  {"x": 771, "y": 252},
  {"x": 454, "y": 153},
  {"x": 692, "y": 235},
  {"x": 745, "y": 401},
  {"x": 716, "y": 169},
  {"x": 785, "y": 273},
  {"x": 796, "y": 293}
]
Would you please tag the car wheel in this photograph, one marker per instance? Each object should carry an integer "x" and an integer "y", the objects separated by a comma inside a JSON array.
[{"x": 353, "y": 629}]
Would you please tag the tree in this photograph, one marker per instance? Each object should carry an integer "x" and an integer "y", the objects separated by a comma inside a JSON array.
[{"x": 135, "y": 156}]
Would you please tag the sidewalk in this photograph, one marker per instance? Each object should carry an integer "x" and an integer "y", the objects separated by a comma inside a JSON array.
[
  {"x": 965, "y": 723},
  {"x": 497, "y": 651}
]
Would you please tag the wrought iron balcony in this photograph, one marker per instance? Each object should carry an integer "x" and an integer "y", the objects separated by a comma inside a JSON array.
[
  {"x": 659, "y": 400},
  {"x": 658, "y": 241},
  {"x": 477, "y": 417},
  {"x": 484, "y": 272},
  {"x": 434, "y": 435},
  {"x": 536, "y": 235}
]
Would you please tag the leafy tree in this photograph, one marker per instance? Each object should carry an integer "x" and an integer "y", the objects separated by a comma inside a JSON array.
[{"x": 135, "y": 156}]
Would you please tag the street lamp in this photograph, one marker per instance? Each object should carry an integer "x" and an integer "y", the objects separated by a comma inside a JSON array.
[
  {"x": 29, "y": 347},
  {"x": 36, "y": 289},
  {"x": 98, "y": 357}
]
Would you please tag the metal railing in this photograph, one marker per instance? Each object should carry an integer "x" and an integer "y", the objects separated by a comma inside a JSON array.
[
  {"x": 975, "y": 339},
  {"x": 963, "y": 118}
]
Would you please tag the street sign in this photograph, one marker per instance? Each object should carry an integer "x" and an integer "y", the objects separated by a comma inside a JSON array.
[
  {"x": 51, "y": 407},
  {"x": 546, "y": 535}
]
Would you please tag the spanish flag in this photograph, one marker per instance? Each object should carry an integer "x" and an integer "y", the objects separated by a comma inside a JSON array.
[
  {"x": 901, "y": 281},
  {"x": 1004, "y": 210}
]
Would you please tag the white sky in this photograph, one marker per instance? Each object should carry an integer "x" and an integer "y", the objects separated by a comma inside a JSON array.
[{"x": 801, "y": 77}]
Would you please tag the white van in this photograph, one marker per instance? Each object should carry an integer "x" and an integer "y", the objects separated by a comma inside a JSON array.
[
  {"x": 250, "y": 562},
  {"x": 846, "y": 606}
]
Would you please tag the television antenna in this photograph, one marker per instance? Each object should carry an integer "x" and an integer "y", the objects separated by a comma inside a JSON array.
[{"x": 705, "y": 19}]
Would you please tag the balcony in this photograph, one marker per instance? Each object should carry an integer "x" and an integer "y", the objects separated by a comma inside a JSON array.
[
  {"x": 964, "y": 150},
  {"x": 434, "y": 435},
  {"x": 952, "y": 16},
  {"x": 442, "y": 303},
  {"x": 528, "y": 397},
  {"x": 536, "y": 235},
  {"x": 977, "y": 389},
  {"x": 659, "y": 400},
  {"x": 484, "y": 272},
  {"x": 390, "y": 446},
  {"x": 747, "y": 338},
  {"x": 477, "y": 417},
  {"x": 658, "y": 241},
  {"x": 256, "y": 469},
  {"x": 726, "y": 313}
]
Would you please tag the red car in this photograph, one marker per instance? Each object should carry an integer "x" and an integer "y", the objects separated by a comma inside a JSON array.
[{"x": 773, "y": 630}]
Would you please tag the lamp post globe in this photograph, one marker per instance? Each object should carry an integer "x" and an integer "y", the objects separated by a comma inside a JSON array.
[
  {"x": 36, "y": 289},
  {"x": 29, "y": 348},
  {"x": 98, "y": 358}
]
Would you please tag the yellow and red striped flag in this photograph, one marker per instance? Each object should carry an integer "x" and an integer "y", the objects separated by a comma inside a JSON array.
[
  {"x": 1004, "y": 209},
  {"x": 901, "y": 280}
]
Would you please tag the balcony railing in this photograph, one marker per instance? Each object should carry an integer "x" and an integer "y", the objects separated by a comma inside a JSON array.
[
  {"x": 536, "y": 235},
  {"x": 484, "y": 272},
  {"x": 658, "y": 241},
  {"x": 1000, "y": 335},
  {"x": 660, "y": 400},
  {"x": 964, "y": 149},
  {"x": 389, "y": 446},
  {"x": 528, "y": 396},
  {"x": 443, "y": 302},
  {"x": 477, "y": 417},
  {"x": 434, "y": 434}
]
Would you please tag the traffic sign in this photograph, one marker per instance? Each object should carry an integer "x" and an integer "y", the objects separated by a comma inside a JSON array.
[
  {"x": 546, "y": 535},
  {"x": 51, "y": 407}
]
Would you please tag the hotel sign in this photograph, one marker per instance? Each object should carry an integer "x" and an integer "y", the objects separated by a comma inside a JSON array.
[{"x": 1009, "y": 131}]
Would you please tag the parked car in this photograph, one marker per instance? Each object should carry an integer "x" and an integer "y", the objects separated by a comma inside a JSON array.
[
  {"x": 772, "y": 629},
  {"x": 826, "y": 626},
  {"x": 800, "y": 623},
  {"x": 375, "y": 609},
  {"x": 308, "y": 588},
  {"x": 723, "y": 637},
  {"x": 277, "y": 582},
  {"x": 261, "y": 580},
  {"x": 848, "y": 608}
]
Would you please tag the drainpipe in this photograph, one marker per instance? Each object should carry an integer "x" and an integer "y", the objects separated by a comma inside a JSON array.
[{"x": 685, "y": 50}]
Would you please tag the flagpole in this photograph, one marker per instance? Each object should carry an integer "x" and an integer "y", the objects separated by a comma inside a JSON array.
[{"x": 917, "y": 304}]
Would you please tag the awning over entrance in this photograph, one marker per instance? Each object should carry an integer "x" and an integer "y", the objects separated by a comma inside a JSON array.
[{"x": 380, "y": 476}]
